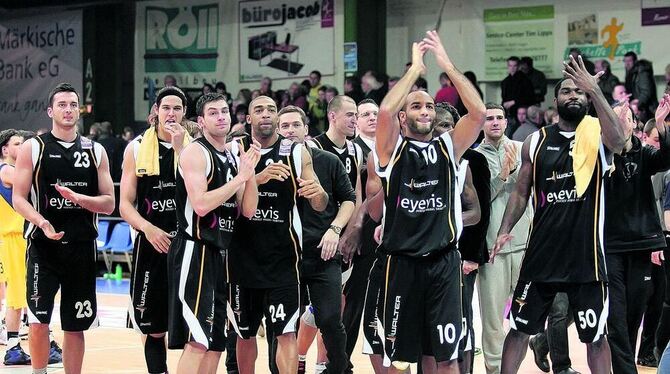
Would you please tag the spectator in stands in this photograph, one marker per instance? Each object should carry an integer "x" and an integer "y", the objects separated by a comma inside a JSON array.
[
  {"x": 533, "y": 122},
  {"x": 472, "y": 78},
  {"x": 206, "y": 88},
  {"x": 255, "y": 94},
  {"x": 266, "y": 87},
  {"x": 128, "y": 134},
  {"x": 550, "y": 116},
  {"x": 315, "y": 84},
  {"x": 619, "y": 94},
  {"x": 517, "y": 90},
  {"x": 667, "y": 79},
  {"x": 590, "y": 67},
  {"x": 94, "y": 131},
  {"x": 331, "y": 92},
  {"x": 169, "y": 81},
  {"x": 420, "y": 85},
  {"x": 352, "y": 88},
  {"x": 241, "y": 119},
  {"x": 114, "y": 147},
  {"x": 514, "y": 123},
  {"x": 447, "y": 93},
  {"x": 640, "y": 84},
  {"x": 537, "y": 78},
  {"x": 373, "y": 86},
  {"x": 393, "y": 81},
  {"x": 296, "y": 96},
  {"x": 317, "y": 110},
  {"x": 220, "y": 87},
  {"x": 607, "y": 81},
  {"x": 243, "y": 96}
]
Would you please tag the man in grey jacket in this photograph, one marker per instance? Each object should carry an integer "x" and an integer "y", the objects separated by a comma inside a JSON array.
[{"x": 498, "y": 279}]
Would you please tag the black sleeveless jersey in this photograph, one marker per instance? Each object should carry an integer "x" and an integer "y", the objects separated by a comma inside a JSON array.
[
  {"x": 266, "y": 249},
  {"x": 216, "y": 227},
  {"x": 422, "y": 212},
  {"x": 365, "y": 152},
  {"x": 566, "y": 236},
  {"x": 350, "y": 155},
  {"x": 70, "y": 164},
  {"x": 156, "y": 193}
]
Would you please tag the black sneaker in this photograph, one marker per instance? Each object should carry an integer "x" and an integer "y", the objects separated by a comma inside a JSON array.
[
  {"x": 16, "y": 356},
  {"x": 55, "y": 353},
  {"x": 648, "y": 361},
  {"x": 540, "y": 356}
]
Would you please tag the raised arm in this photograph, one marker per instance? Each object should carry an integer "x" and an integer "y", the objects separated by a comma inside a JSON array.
[
  {"x": 388, "y": 126},
  {"x": 471, "y": 210},
  {"x": 310, "y": 188},
  {"x": 470, "y": 125},
  {"x": 659, "y": 160},
  {"x": 193, "y": 166},
  {"x": 518, "y": 200},
  {"x": 613, "y": 132}
]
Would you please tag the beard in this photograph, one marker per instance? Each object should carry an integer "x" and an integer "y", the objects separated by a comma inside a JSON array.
[
  {"x": 414, "y": 127},
  {"x": 572, "y": 114}
]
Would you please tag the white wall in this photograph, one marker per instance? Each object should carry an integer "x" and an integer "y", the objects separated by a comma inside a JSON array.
[{"x": 231, "y": 59}]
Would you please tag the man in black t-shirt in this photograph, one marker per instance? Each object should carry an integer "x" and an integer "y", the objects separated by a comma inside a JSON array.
[
  {"x": 632, "y": 231},
  {"x": 418, "y": 173},
  {"x": 565, "y": 251},
  {"x": 68, "y": 179},
  {"x": 264, "y": 259},
  {"x": 320, "y": 271}
]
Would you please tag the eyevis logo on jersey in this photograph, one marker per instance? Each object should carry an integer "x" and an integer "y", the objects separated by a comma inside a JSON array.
[
  {"x": 560, "y": 197},
  {"x": 431, "y": 204},
  {"x": 224, "y": 224},
  {"x": 160, "y": 206},
  {"x": 62, "y": 203},
  {"x": 267, "y": 215}
]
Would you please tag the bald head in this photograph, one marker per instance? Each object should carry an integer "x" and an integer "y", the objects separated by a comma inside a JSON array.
[
  {"x": 417, "y": 96},
  {"x": 335, "y": 105}
]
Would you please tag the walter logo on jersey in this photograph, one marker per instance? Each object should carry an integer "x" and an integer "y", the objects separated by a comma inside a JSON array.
[{"x": 182, "y": 39}]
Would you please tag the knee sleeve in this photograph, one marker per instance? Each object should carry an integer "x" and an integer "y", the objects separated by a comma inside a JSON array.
[{"x": 308, "y": 317}]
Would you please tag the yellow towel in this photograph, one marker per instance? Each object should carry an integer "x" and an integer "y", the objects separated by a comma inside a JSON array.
[
  {"x": 147, "y": 157},
  {"x": 585, "y": 152}
]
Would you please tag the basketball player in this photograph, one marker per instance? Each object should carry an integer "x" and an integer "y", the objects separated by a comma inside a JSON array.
[
  {"x": 418, "y": 172},
  {"x": 147, "y": 204},
  {"x": 67, "y": 178},
  {"x": 212, "y": 188},
  {"x": 565, "y": 251},
  {"x": 13, "y": 247},
  {"x": 320, "y": 271},
  {"x": 264, "y": 259}
]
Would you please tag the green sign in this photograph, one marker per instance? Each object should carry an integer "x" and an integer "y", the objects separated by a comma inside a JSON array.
[
  {"x": 519, "y": 14},
  {"x": 527, "y": 31},
  {"x": 181, "y": 39},
  {"x": 597, "y": 51}
]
